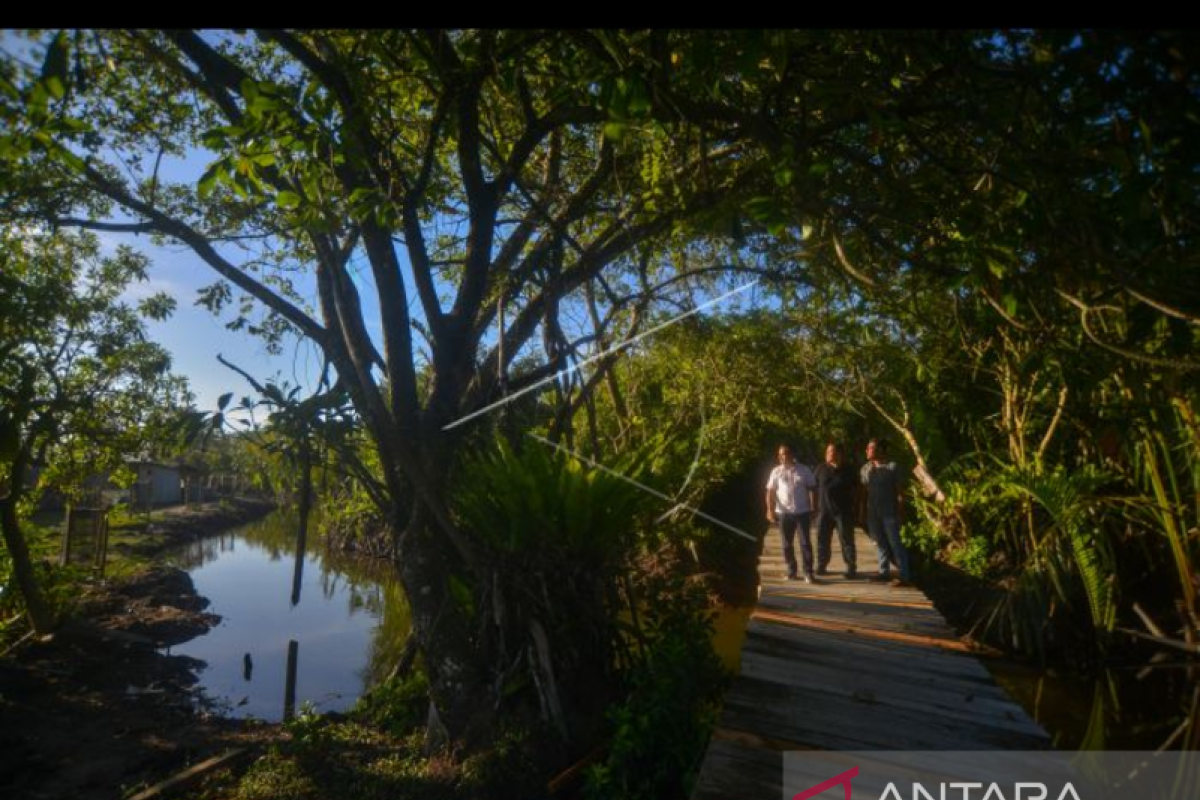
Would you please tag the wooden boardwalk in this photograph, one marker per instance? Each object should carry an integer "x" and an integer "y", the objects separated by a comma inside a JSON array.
[{"x": 850, "y": 665}]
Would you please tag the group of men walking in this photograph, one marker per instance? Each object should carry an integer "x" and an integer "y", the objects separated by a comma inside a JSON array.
[{"x": 794, "y": 490}]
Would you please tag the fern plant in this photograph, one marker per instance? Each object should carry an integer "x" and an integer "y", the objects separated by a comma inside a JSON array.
[
  {"x": 1072, "y": 505},
  {"x": 538, "y": 500}
]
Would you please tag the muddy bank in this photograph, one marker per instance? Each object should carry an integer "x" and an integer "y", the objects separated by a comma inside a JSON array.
[
  {"x": 96, "y": 711},
  {"x": 171, "y": 527},
  {"x": 159, "y": 607}
]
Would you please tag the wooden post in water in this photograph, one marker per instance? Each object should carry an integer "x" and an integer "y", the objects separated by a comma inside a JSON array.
[{"x": 289, "y": 691}]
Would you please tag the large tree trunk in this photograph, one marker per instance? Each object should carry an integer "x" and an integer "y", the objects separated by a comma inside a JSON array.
[
  {"x": 39, "y": 613},
  {"x": 440, "y": 591},
  {"x": 504, "y": 621}
]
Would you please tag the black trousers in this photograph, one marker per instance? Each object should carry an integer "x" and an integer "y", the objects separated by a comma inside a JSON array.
[{"x": 845, "y": 528}]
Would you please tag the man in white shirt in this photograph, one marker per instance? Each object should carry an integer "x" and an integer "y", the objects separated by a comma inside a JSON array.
[{"x": 790, "y": 499}]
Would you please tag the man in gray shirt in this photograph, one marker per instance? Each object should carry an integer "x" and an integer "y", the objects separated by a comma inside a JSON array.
[{"x": 884, "y": 484}]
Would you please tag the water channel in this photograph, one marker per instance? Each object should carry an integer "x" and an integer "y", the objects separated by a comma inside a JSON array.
[{"x": 332, "y": 623}]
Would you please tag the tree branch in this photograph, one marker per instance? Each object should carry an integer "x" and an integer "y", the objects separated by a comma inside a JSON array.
[
  {"x": 200, "y": 244},
  {"x": 111, "y": 227}
]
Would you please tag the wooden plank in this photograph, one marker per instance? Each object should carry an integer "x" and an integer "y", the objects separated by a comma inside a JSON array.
[
  {"x": 860, "y": 614},
  {"x": 822, "y": 731},
  {"x": 815, "y": 718},
  {"x": 882, "y": 660},
  {"x": 899, "y": 691},
  {"x": 736, "y": 770},
  {"x": 867, "y": 582},
  {"x": 896, "y": 672},
  {"x": 191, "y": 774},
  {"x": 862, "y": 630},
  {"x": 756, "y": 741},
  {"x": 776, "y": 625},
  {"x": 879, "y": 691},
  {"x": 851, "y": 665},
  {"x": 770, "y": 638},
  {"x": 849, "y": 595},
  {"x": 783, "y": 619}
]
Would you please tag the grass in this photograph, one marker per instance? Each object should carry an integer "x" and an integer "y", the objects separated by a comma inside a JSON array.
[{"x": 325, "y": 756}]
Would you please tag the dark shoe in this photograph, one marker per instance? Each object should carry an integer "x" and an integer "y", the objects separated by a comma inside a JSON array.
[
  {"x": 822, "y": 571},
  {"x": 793, "y": 576},
  {"x": 851, "y": 574},
  {"x": 882, "y": 577}
]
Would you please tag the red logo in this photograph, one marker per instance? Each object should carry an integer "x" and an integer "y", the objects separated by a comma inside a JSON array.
[{"x": 844, "y": 778}]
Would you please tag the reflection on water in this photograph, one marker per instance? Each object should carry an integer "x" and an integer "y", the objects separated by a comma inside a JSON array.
[
  {"x": 1119, "y": 709},
  {"x": 342, "y": 634}
]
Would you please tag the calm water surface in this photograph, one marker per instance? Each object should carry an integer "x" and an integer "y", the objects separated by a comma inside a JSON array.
[{"x": 340, "y": 620}]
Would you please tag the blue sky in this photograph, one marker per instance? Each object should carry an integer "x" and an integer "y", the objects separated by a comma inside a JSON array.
[{"x": 194, "y": 336}]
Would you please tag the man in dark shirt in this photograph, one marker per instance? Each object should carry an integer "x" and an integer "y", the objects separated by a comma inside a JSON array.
[{"x": 835, "y": 497}]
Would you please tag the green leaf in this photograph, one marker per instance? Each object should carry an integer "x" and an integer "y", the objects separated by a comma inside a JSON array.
[
  {"x": 38, "y": 103},
  {"x": 60, "y": 153},
  {"x": 54, "y": 68},
  {"x": 639, "y": 99},
  {"x": 615, "y": 131},
  {"x": 1010, "y": 304},
  {"x": 158, "y": 306},
  {"x": 617, "y": 53},
  {"x": 762, "y": 208},
  {"x": 216, "y": 174},
  {"x": 9, "y": 88},
  {"x": 13, "y": 148},
  {"x": 1144, "y": 127},
  {"x": 287, "y": 199},
  {"x": 55, "y": 88}
]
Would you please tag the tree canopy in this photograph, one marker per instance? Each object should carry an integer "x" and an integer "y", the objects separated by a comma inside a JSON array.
[
  {"x": 82, "y": 388},
  {"x": 435, "y": 208}
]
